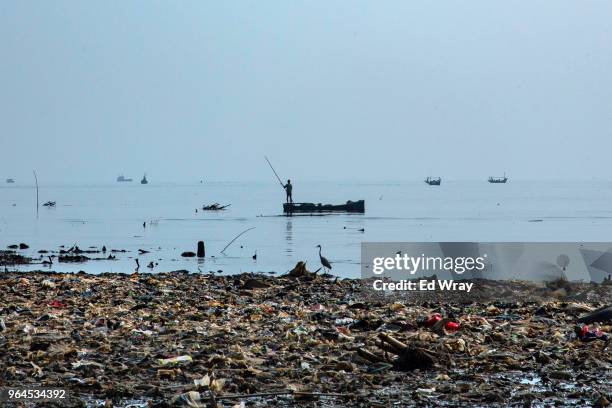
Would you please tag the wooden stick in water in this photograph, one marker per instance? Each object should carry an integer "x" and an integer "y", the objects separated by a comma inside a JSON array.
[
  {"x": 36, "y": 179},
  {"x": 237, "y": 236}
]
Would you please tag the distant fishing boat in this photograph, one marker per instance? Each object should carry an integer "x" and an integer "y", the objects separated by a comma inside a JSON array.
[
  {"x": 49, "y": 204},
  {"x": 498, "y": 180},
  {"x": 10, "y": 181},
  {"x": 144, "y": 180},
  {"x": 433, "y": 181},
  {"x": 122, "y": 179},
  {"x": 350, "y": 206}
]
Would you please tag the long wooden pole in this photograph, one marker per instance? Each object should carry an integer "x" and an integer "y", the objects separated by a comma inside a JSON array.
[
  {"x": 279, "y": 179},
  {"x": 230, "y": 243},
  {"x": 36, "y": 179}
]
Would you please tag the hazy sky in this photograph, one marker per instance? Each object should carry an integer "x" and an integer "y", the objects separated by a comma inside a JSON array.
[{"x": 327, "y": 89}]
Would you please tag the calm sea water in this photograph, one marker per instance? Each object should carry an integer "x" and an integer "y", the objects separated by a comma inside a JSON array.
[{"x": 112, "y": 214}]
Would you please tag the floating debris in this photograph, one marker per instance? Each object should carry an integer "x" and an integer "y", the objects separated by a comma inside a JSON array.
[
  {"x": 13, "y": 258},
  {"x": 215, "y": 207}
]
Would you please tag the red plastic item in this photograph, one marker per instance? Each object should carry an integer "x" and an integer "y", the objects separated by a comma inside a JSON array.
[
  {"x": 433, "y": 319},
  {"x": 452, "y": 326},
  {"x": 584, "y": 331},
  {"x": 57, "y": 304}
]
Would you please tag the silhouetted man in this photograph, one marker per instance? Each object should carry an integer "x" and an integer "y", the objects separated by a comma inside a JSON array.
[{"x": 289, "y": 190}]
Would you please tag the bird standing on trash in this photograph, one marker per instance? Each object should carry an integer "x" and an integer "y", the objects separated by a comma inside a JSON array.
[{"x": 326, "y": 264}]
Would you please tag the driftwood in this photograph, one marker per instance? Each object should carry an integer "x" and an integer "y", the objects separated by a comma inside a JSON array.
[
  {"x": 300, "y": 271},
  {"x": 386, "y": 347},
  {"x": 414, "y": 358},
  {"x": 408, "y": 357},
  {"x": 396, "y": 344},
  {"x": 367, "y": 355},
  {"x": 603, "y": 314}
]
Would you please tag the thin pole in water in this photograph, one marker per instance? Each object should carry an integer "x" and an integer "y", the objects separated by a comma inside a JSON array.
[
  {"x": 36, "y": 179},
  {"x": 230, "y": 243}
]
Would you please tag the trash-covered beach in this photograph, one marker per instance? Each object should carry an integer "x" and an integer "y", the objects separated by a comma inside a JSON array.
[{"x": 180, "y": 339}]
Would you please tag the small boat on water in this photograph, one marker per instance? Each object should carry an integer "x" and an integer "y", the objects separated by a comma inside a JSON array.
[
  {"x": 122, "y": 179},
  {"x": 350, "y": 207},
  {"x": 10, "y": 181},
  {"x": 498, "y": 180},
  {"x": 144, "y": 180},
  {"x": 433, "y": 181},
  {"x": 49, "y": 204}
]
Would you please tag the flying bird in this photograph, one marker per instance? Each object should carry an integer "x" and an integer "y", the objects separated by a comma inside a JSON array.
[{"x": 326, "y": 264}]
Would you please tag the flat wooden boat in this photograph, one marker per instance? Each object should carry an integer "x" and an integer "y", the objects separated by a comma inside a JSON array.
[{"x": 349, "y": 207}]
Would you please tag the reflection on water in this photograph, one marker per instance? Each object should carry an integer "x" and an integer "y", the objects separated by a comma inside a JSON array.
[{"x": 289, "y": 237}]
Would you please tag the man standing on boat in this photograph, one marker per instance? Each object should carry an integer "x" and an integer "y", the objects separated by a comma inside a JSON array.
[{"x": 289, "y": 189}]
